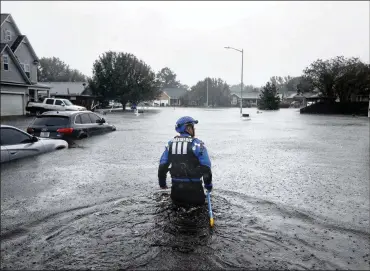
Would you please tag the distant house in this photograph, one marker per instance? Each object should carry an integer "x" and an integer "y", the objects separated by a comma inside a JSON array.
[
  {"x": 162, "y": 100},
  {"x": 235, "y": 99},
  {"x": 78, "y": 93},
  {"x": 19, "y": 62},
  {"x": 171, "y": 96},
  {"x": 303, "y": 98},
  {"x": 290, "y": 97},
  {"x": 249, "y": 99}
]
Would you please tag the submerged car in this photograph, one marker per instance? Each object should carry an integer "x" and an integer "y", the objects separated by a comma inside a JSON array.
[
  {"x": 69, "y": 125},
  {"x": 16, "y": 144}
]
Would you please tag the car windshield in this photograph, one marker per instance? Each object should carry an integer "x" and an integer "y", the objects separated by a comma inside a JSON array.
[
  {"x": 67, "y": 102},
  {"x": 51, "y": 121}
]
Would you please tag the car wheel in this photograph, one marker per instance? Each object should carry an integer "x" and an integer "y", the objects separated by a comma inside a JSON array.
[
  {"x": 82, "y": 135},
  {"x": 38, "y": 113}
]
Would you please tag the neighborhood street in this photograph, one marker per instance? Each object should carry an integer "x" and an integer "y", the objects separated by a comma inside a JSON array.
[{"x": 290, "y": 191}]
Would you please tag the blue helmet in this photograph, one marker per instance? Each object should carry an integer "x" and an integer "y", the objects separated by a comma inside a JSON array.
[{"x": 182, "y": 122}]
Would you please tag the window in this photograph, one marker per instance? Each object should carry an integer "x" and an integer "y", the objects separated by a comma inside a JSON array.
[
  {"x": 11, "y": 136},
  {"x": 26, "y": 68},
  {"x": 51, "y": 121},
  {"x": 67, "y": 102},
  {"x": 49, "y": 101},
  {"x": 78, "y": 119},
  {"x": 85, "y": 118},
  {"x": 6, "y": 62},
  {"x": 8, "y": 35},
  {"x": 58, "y": 102},
  {"x": 93, "y": 117}
]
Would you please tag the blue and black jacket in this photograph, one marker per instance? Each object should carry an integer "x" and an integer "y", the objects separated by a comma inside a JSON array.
[{"x": 189, "y": 161}]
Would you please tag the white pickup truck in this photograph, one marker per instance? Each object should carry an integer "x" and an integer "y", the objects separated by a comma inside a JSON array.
[{"x": 52, "y": 104}]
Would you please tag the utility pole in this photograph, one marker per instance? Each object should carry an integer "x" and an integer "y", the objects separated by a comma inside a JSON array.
[{"x": 241, "y": 87}]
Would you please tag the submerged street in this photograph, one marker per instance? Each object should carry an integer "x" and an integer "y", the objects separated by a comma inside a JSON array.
[{"x": 290, "y": 191}]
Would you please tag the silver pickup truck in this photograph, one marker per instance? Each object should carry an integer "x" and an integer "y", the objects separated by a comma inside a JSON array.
[{"x": 52, "y": 104}]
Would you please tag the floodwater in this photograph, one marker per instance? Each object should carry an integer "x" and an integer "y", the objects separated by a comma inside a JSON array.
[{"x": 290, "y": 191}]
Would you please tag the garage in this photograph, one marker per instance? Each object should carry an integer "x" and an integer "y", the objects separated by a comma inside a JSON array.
[{"x": 12, "y": 104}]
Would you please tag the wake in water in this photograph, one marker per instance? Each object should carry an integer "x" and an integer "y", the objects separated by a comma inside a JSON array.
[{"x": 149, "y": 232}]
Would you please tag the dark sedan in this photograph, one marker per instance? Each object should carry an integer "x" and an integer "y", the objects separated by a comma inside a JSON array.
[{"x": 69, "y": 125}]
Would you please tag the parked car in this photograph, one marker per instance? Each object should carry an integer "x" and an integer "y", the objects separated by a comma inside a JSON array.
[
  {"x": 16, "y": 144},
  {"x": 69, "y": 125},
  {"x": 52, "y": 104}
]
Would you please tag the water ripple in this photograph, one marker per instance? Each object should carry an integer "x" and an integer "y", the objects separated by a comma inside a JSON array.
[{"x": 149, "y": 232}]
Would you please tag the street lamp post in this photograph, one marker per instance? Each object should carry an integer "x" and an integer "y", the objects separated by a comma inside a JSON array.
[
  {"x": 241, "y": 84},
  {"x": 207, "y": 92}
]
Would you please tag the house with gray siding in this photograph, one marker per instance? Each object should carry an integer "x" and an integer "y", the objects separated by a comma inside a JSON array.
[
  {"x": 174, "y": 95},
  {"x": 19, "y": 62},
  {"x": 250, "y": 99}
]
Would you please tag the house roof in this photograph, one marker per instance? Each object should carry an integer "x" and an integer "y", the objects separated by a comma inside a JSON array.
[
  {"x": 17, "y": 41},
  {"x": 20, "y": 38},
  {"x": 2, "y": 46},
  {"x": 248, "y": 95},
  {"x": 314, "y": 95},
  {"x": 38, "y": 85},
  {"x": 291, "y": 96},
  {"x": 87, "y": 91},
  {"x": 175, "y": 93},
  {"x": 4, "y": 16},
  {"x": 65, "y": 88},
  {"x": 308, "y": 94}
]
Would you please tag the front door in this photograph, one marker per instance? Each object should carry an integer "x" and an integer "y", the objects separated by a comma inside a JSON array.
[{"x": 32, "y": 95}]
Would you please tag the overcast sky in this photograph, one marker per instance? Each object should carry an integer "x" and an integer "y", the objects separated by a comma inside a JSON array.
[{"x": 279, "y": 38}]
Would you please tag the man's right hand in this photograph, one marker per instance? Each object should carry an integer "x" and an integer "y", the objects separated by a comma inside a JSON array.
[{"x": 208, "y": 187}]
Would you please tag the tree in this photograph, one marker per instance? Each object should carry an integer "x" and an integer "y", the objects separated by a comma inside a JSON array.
[
  {"x": 269, "y": 98},
  {"x": 304, "y": 85},
  {"x": 323, "y": 74},
  {"x": 339, "y": 77},
  {"x": 285, "y": 84},
  {"x": 55, "y": 70},
  {"x": 167, "y": 78},
  {"x": 184, "y": 87},
  {"x": 354, "y": 79},
  {"x": 124, "y": 78},
  {"x": 218, "y": 93},
  {"x": 246, "y": 88}
]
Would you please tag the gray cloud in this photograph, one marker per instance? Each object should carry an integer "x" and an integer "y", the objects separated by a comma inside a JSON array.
[{"x": 279, "y": 38}]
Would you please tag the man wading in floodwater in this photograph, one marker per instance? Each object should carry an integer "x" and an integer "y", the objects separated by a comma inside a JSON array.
[{"x": 189, "y": 162}]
